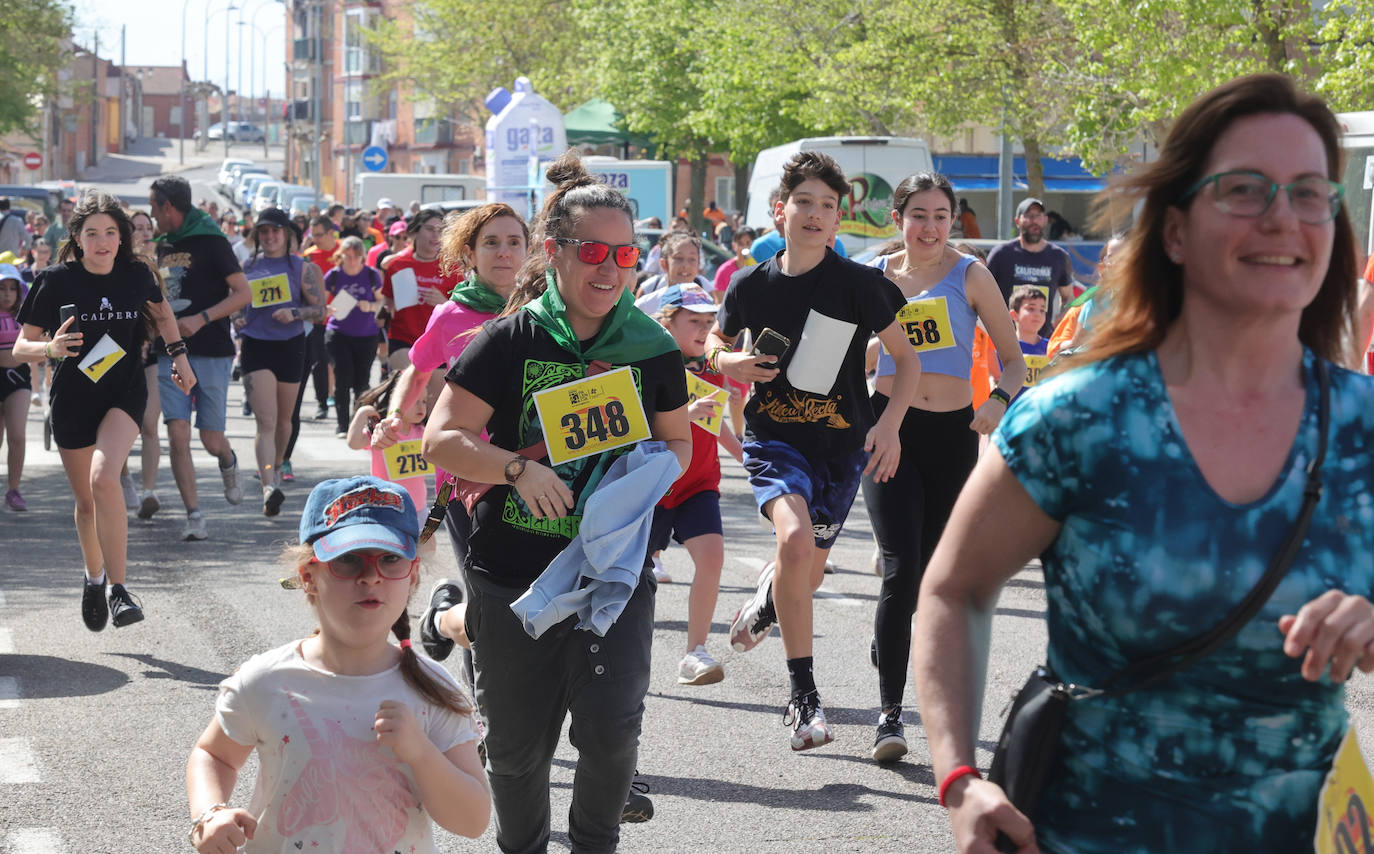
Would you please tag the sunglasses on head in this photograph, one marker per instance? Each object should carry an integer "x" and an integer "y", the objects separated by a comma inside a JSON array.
[{"x": 594, "y": 251}]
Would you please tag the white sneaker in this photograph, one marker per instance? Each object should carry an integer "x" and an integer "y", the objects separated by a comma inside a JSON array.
[
  {"x": 126, "y": 482},
  {"x": 661, "y": 575},
  {"x": 195, "y": 527},
  {"x": 233, "y": 493},
  {"x": 807, "y": 719},
  {"x": 149, "y": 505},
  {"x": 699, "y": 668}
]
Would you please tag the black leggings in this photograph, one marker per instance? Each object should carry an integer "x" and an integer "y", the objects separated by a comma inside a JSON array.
[
  {"x": 908, "y": 513},
  {"x": 352, "y": 357},
  {"x": 314, "y": 358}
]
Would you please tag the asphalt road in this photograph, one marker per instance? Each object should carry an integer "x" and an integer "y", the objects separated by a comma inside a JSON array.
[{"x": 95, "y": 728}]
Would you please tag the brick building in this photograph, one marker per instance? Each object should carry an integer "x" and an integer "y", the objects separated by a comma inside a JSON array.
[
  {"x": 153, "y": 94},
  {"x": 355, "y": 111}
]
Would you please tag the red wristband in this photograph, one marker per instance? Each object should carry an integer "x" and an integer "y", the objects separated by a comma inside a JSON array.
[{"x": 951, "y": 777}]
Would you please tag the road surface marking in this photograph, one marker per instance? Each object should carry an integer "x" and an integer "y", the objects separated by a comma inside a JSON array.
[
  {"x": 16, "y": 761},
  {"x": 6, "y": 642},
  {"x": 34, "y": 840}
]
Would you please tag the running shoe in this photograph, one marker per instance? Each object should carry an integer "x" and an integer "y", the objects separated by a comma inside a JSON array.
[
  {"x": 126, "y": 482},
  {"x": 195, "y": 527},
  {"x": 125, "y": 610},
  {"x": 890, "y": 745},
  {"x": 660, "y": 574},
  {"x": 94, "y": 612},
  {"x": 807, "y": 719},
  {"x": 699, "y": 668},
  {"x": 233, "y": 493},
  {"x": 443, "y": 595},
  {"x": 321, "y": 412},
  {"x": 638, "y": 807},
  {"x": 15, "y": 501},
  {"x": 149, "y": 505},
  {"x": 285, "y": 470},
  {"x": 272, "y": 498},
  {"x": 341, "y": 434},
  {"x": 756, "y": 618}
]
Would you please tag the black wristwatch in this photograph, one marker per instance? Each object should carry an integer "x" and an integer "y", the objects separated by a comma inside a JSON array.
[
  {"x": 1000, "y": 395},
  {"x": 515, "y": 468}
]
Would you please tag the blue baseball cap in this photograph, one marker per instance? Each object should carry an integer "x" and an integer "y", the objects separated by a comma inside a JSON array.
[{"x": 353, "y": 513}]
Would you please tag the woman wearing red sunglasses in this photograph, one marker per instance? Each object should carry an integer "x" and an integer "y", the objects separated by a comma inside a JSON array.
[{"x": 570, "y": 326}]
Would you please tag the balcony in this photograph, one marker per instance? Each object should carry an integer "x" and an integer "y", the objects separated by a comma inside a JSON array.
[{"x": 433, "y": 132}]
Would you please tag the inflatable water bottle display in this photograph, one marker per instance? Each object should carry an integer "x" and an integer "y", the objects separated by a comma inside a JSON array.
[{"x": 524, "y": 130}]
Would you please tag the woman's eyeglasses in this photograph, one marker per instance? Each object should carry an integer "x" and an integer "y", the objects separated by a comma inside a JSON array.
[
  {"x": 1314, "y": 199},
  {"x": 351, "y": 565},
  {"x": 594, "y": 251}
]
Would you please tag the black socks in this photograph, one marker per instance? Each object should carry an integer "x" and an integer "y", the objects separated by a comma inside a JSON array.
[{"x": 799, "y": 670}]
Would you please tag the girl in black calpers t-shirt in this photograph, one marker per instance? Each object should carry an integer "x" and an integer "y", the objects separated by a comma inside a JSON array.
[{"x": 99, "y": 390}]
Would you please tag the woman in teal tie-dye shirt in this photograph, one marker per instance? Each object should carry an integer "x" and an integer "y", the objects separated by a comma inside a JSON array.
[{"x": 1156, "y": 477}]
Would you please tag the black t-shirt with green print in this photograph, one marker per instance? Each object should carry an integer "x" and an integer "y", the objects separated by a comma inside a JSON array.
[{"x": 508, "y": 361}]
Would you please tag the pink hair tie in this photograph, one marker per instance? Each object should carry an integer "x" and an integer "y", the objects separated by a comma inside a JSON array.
[{"x": 405, "y": 644}]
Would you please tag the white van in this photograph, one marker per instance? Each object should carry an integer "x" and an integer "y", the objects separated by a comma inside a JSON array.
[
  {"x": 874, "y": 166},
  {"x": 404, "y": 188}
]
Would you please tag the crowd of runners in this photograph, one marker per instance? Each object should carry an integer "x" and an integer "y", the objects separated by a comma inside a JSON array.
[{"x": 561, "y": 411}]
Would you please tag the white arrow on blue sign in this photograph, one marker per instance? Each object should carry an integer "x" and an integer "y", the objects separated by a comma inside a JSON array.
[{"x": 374, "y": 158}]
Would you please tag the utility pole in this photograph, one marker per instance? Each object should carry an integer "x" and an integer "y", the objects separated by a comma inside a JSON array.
[
  {"x": 317, "y": 13},
  {"x": 224, "y": 102},
  {"x": 95, "y": 101}
]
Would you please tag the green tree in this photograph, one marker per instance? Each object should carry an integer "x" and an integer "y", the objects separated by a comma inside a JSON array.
[
  {"x": 454, "y": 52},
  {"x": 1346, "y": 50},
  {"x": 33, "y": 48},
  {"x": 1144, "y": 61},
  {"x": 939, "y": 64}
]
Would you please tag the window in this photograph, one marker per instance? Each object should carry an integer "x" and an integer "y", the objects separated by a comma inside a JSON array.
[
  {"x": 358, "y": 57},
  {"x": 725, "y": 193}
]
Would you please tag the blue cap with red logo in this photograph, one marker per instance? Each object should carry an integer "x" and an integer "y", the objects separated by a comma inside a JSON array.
[{"x": 355, "y": 513}]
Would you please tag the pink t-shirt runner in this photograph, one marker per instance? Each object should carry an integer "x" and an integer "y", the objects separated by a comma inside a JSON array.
[
  {"x": 444, "y": 339},
  {"x": 408, "y": 461}
]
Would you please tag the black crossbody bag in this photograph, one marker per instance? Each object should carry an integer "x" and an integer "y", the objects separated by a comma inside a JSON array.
[{"x": 1029, "y": 742}]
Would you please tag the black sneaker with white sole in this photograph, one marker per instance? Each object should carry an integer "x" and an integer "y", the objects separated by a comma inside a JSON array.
[
  {"x": 890, "y": 745},
  {"x": 125, "y": 610},
  {"x": 444, "y": 595},
  {"x": 272, "y": 498},
  {"x": 94, "y": 612},
  {"x": 638, "y": 807}
]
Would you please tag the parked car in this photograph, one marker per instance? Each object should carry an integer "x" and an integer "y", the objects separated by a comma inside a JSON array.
[
  {"x": 713, "y": 254},
  {"x": 246, "y": 132},
  {"x": 238, "y": 132},
  {"x": 27, "y": 197},
  {"x": 236, "y": 176},
  {"x": 265, "y": 196},
  {"x": 452, "y": 205},
  {"x": 249, "y": 189},
  {"x": 300, "y": 203},
  {"x": 226, "y": 170},
  {"x": 236, "y": 185}
]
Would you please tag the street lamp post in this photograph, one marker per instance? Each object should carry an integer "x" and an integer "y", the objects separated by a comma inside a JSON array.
[
  {"x": 224, "y": 102},
  {"x": 205, "y": 66},
  {"x": 181, "y": 148}
]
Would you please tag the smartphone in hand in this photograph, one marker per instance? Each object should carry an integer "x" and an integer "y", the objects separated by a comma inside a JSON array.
[
  {"x": 65, "y": 312},
  {"x": 770, "y": 343}
]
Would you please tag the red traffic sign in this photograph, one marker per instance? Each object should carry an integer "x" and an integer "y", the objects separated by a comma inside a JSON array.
[{"x": 33, "y": 160}]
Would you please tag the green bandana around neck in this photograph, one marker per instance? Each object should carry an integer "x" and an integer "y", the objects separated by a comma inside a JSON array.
[
  {"x": 197, "y": 223},
  {"x": 627, "y": 334},
  {"x": 477, "y": 296}
]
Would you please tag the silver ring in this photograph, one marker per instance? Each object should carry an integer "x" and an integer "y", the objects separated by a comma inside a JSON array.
[{"x": 541, "y": 499}]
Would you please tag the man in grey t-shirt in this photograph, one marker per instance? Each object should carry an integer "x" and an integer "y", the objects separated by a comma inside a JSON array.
[{"x": 1030, "y": 259}]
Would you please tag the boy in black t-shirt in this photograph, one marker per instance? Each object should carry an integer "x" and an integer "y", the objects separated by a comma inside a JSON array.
[{"x": 809, "y": 425}]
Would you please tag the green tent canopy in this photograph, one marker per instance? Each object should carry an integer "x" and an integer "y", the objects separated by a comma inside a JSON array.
[{"x": 598, "y": 122}]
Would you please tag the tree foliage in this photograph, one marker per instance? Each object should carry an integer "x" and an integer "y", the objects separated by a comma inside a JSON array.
[
  {"x": 1345, "y": 45},
  {"x": 33, "y": 49},
  {"x": 454, "y": 52}
]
